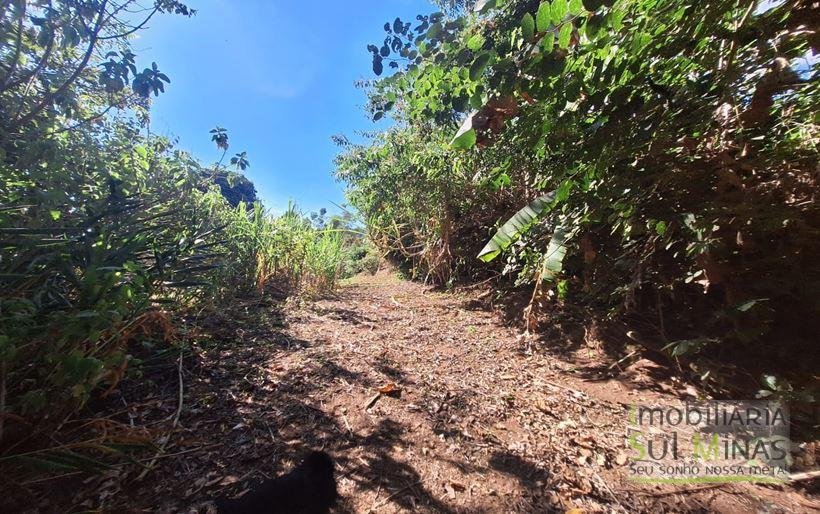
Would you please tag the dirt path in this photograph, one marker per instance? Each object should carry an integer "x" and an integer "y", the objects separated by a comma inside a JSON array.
[{"x": 480, "y": 425}]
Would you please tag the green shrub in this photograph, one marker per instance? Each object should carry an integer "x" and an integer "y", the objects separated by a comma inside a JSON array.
[{"x": 669, "y": 150}]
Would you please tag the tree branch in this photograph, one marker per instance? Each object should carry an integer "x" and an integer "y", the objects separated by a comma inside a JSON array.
[
  {"x": 81, "y": 122},
  {"x": 133, "y": 29},
  {"x": 48, "y": 98}
]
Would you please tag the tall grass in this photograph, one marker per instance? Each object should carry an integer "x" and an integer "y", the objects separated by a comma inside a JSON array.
[
  {"x": 98, "y": 268},
  {"x": 287, "y": 249}
]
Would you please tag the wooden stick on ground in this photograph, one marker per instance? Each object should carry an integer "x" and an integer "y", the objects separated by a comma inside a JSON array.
[{"x": 372, "y": 401}]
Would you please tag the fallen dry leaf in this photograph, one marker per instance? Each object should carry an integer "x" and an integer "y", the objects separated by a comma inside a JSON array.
[{"x": 390, "y": 388}]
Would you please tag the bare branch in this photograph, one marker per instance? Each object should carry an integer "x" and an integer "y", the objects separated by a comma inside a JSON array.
[{"x": 133, "y": 29}]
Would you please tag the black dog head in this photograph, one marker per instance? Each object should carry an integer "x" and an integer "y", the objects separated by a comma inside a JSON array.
[{"x": 309, "y": 489}]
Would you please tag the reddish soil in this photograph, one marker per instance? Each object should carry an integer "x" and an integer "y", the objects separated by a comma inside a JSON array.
[{"x": 482, "y": 422}]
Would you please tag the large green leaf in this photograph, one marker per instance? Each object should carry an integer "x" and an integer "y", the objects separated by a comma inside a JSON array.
[
  {"x": 516, "y": 226},
  {"x": 465, "y": 138},
  {"x": 553, "y": 261}
]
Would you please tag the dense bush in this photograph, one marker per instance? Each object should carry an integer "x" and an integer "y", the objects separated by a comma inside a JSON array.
[
  {"x": 107, "y": 231},
  {"x": 657, "y": 159},
  {"x": 86, "y": 254}
]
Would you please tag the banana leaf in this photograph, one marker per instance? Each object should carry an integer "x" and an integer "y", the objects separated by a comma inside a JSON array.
[
  {"x": 516, "y": 226},
  {"x": 553, "y": 261}
]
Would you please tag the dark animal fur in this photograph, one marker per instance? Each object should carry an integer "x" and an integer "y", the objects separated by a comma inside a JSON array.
[{"x": 309, "y": 489}]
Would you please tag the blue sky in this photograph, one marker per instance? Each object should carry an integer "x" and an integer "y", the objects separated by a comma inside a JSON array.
[{"x": 279, "y": 76}]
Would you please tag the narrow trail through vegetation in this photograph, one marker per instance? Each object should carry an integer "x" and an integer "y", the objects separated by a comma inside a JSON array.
[
  {"x": 633, "y": 182},
  {"x": 481, "y": 424}
]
